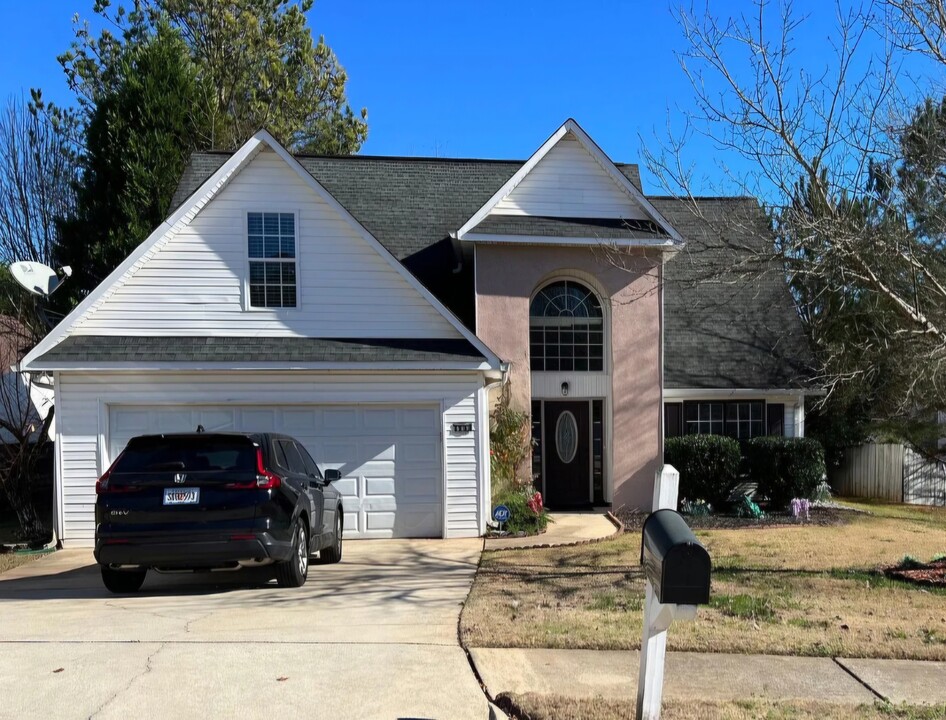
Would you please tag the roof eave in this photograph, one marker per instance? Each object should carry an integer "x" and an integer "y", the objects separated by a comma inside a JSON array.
[
  {"x": 239, "y": 366},
  {"x": 665, "y": 243}
]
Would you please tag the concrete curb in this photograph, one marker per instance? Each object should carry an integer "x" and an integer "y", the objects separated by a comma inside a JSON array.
[
  {"x": 618, "y": 529},
  {"x": 586, "y": 674}
]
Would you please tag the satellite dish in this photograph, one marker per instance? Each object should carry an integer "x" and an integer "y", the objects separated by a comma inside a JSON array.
[{"x": 38, "y": 278}]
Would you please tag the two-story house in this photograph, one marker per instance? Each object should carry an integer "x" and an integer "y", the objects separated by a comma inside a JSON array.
[{"x": 372, "y": 307}]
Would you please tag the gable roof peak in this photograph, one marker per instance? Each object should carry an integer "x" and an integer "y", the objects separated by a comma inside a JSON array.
[{"x": 571, "y": 127}]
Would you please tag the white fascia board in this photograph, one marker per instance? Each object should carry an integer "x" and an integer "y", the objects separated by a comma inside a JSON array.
[
  {"x": 349, "y": 367},
  {"x": 317, "y": 187},
  {"x": 571, "y": 126},
  {"x": 185, "y": 214},
  {"x": 724, "y": 393},
  {"x": 475, "y": 237}
]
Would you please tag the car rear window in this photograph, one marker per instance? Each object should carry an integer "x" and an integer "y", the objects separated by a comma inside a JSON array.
[{"x": 187, "y": 454}]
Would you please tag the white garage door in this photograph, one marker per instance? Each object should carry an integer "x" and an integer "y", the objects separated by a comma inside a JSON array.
[{"x": 389, "y": 455}]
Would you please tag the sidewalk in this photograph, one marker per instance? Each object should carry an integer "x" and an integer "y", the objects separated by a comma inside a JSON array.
[
  {"x": 565, "y": 528},
  {"x": 715, "y": 677}
]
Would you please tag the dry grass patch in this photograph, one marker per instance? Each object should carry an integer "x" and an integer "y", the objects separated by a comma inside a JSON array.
[
  {"x": 583, "y": 597},
  {"x": 8, "y": 561},
  {"x": 781, "y": 590},
  {"x": 864, "y": 543},
  {"x": 831, "y": 614},
  {"x": 918, "y": 513},
  {"x": 540, "y": 707}
]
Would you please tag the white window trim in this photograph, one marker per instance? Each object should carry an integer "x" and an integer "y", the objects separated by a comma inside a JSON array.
[{"x": 245, "y": 230}]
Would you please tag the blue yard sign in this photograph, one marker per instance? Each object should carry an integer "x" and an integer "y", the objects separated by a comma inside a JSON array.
[{"x": 501, "y": 514}]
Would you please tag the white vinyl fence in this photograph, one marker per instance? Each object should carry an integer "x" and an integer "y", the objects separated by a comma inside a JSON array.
[{"x": 890, "y": 471}]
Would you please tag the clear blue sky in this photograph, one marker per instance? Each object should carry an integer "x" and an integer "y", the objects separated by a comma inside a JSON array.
[{"x": 480, "y": 78}]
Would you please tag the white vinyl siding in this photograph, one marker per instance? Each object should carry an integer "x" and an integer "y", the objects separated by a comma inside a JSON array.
[
  {"x": 195, "y": 283},
  {"x": 85, "y": 399},
  {"x": 569, "y": 182}
]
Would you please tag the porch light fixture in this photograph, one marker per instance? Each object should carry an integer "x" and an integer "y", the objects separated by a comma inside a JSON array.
[{"x": 564, "y": 389}]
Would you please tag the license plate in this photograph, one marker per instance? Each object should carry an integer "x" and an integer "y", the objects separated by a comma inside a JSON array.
[{"x": 181, "y": 496}]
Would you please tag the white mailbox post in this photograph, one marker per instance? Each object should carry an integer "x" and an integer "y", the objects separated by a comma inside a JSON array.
[{"x": 658, "y": 616}]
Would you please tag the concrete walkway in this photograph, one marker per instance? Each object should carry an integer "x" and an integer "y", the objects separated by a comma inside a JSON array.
[
  {"x": 565, "y": 528},
  {"x": 613, "y": 675},
  {"x": 374, "y": 636}
]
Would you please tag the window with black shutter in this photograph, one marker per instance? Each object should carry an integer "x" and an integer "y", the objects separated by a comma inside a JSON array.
[
  {"x": 775, "y": 418},
  {"x": 673, "y": 419}
]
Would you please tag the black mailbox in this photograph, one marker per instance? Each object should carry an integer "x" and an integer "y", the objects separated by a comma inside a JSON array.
[{"x": 677, "y": 566}]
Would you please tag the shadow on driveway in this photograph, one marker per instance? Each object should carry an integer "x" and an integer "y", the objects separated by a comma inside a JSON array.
[{"x": 370, "y": 571}]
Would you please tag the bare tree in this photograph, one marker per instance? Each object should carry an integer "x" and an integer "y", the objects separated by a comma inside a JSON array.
[
  {"x": 919, "y": 26},
  {"x": 26, "y": 414},
  {"x": 845, "y": 177},
  {"x": 38, "y": 170}
]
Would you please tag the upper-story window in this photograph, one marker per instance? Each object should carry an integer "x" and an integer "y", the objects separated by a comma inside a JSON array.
[
  {"x": 566, "y": 328},
  {"x": 271, "y": 247}
]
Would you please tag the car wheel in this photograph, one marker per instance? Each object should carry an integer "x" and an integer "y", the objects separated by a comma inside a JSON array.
[
  {"x": 294, "y": 571},
  {"x": 123, "y": 581},
  {"x": 333, "y": 553}
]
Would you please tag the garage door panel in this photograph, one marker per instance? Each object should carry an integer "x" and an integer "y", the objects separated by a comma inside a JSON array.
[
  {"x": 300, "y": 422},
  {"x": 417, "y": 489},
  {"x": 259, "y": 420},
  {"x": 172, "y": 421},
  {"x": 352, "y": 518},
  {"x": 381, "y": 521},
  {"x": 328, "y": 452},
  {"x": 217, "y": 420},
  {"x": 379, "y": 486},
  {"x": 421, "y": 419},
  {"x": 347, "y": 486},
  {"x": 338, "y": 420},
  {"x": 419, "y": 450},
  {"x": 377, "y": 451},
  {"x": 413, "y": 521},
  {"x": 389, "y": 456},
  {"x": 380, "y": 419},
  {"x": 133, "y": 422}
]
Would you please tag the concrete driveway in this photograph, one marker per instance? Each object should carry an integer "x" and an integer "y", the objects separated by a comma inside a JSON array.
[{"x": 372, "y": 637}]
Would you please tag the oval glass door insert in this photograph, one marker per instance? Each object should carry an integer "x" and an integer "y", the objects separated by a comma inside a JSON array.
[{"x": 566, "y": 437}]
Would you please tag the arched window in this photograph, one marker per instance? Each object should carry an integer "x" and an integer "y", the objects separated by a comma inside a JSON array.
[{"x": 566, "y": 328}]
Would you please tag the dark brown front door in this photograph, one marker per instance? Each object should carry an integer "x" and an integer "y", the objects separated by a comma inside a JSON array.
[{"x": 566, "y": 442}]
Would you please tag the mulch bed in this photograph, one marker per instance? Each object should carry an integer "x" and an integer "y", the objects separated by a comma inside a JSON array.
[
  {"x": 822, "y": 516},
  {"x": 932, "y": 574}
]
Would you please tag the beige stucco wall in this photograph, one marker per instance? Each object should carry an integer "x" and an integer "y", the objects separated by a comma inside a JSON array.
[{"x": 506, "y": 278}]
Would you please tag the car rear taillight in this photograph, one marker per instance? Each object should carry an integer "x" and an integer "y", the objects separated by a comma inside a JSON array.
[
  {"x": 102, "y": 485},
  {"x": 265, "y": 480}
]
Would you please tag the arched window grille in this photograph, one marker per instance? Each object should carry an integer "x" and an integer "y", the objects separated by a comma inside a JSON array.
[{"x": 566, "y": 329}]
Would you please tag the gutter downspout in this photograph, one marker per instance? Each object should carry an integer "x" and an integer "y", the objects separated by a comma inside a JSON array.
[{"x": 487, "y": 499}]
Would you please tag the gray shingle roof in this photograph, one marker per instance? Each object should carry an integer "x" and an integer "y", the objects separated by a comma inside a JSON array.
[
  {"x": 408, "y": 204},
  {"x": 730, "y": 322},
  {"x": 110, "y": 348}
]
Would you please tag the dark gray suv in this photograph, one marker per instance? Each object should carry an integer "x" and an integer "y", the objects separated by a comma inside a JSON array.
[{"x": 205, "y": 501}]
